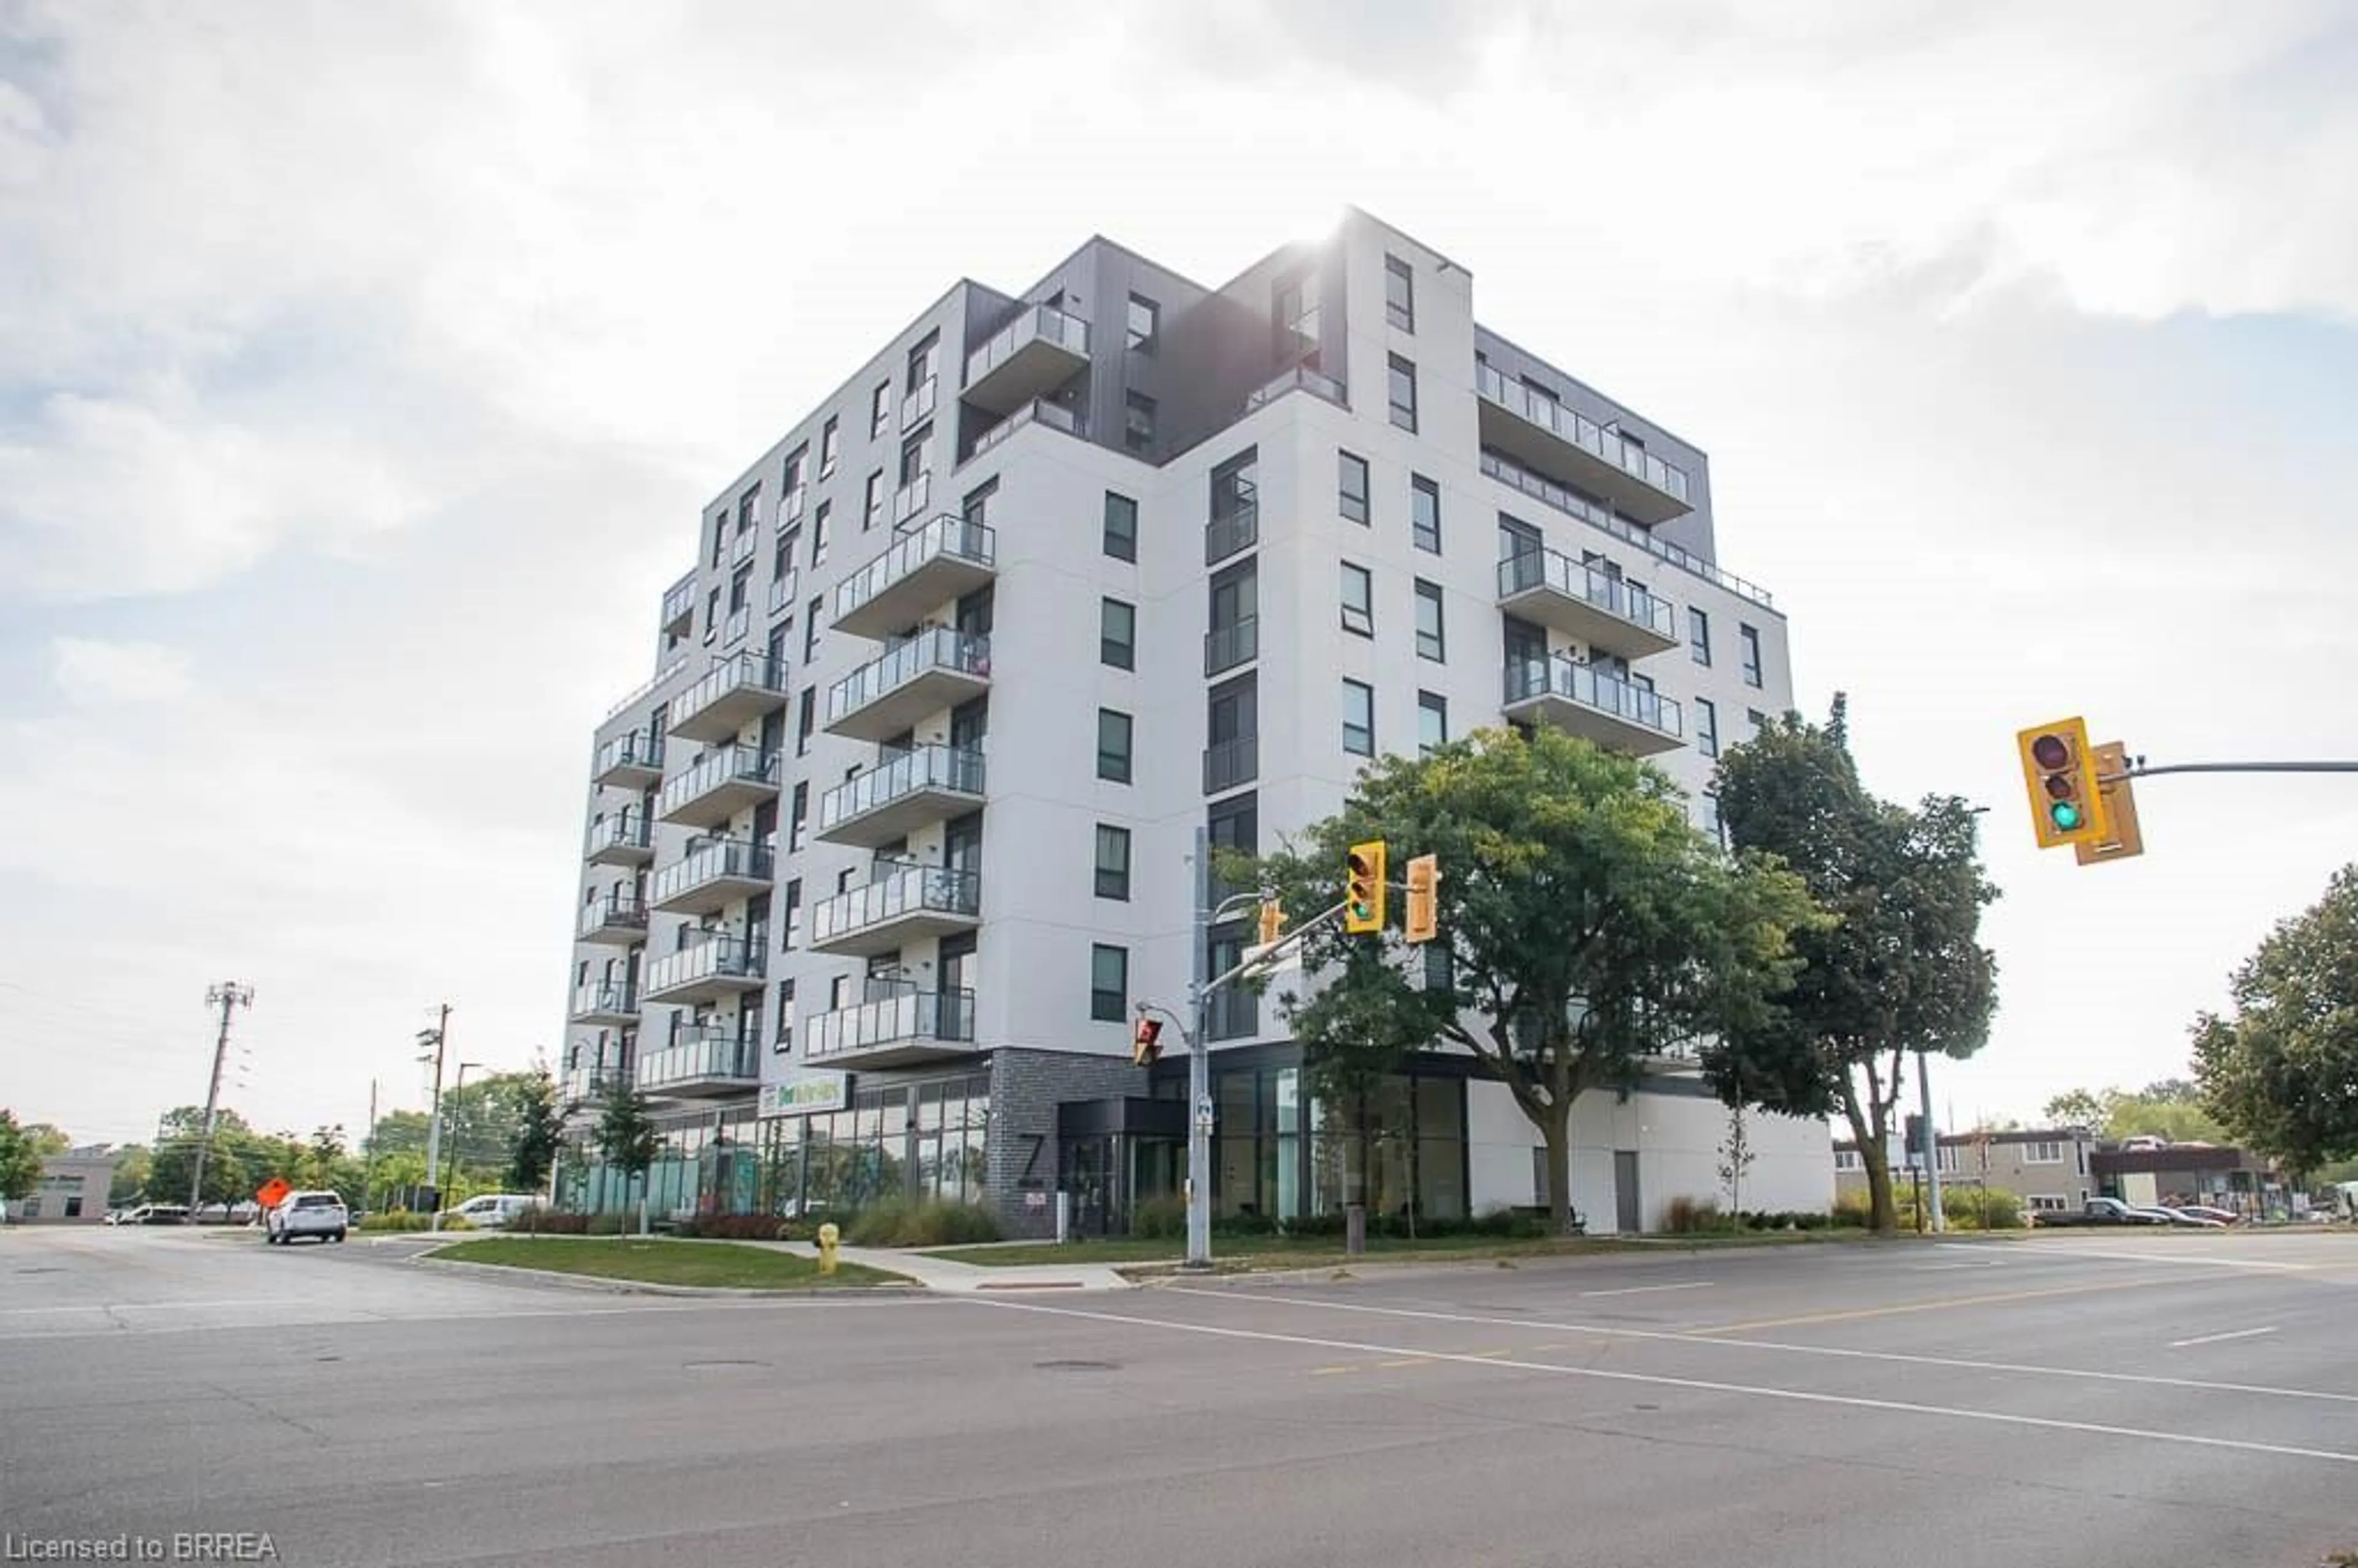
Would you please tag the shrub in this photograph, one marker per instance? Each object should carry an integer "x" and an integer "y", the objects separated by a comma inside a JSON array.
[
  {"x": 1686, "y": 1216},
  {"x": 930, "y": 1224},
  {"x": 548, "y": 1222},
  {"x": 1247, "y": 1225},
  {"x": 395, "y": 1219},
  {"x": 605, "y": 1225},
  {"x": 732, "y": 1228},
  {"x": 1852, "y": 1209},
  {"x": 450, "y": 1222},
  {"x": 1159, "y": 1219}
]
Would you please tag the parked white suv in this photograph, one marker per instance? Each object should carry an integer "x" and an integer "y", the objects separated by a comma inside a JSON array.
[
  {"x": 492, "y": 1211},
  {"x": 322, "y": 1215}
]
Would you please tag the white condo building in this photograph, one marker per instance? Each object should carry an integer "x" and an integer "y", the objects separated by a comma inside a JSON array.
[{"x": 881, "y": 859}]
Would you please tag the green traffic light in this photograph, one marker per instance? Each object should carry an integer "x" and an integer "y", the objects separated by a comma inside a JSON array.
[{"x": 2065, "y": 815}]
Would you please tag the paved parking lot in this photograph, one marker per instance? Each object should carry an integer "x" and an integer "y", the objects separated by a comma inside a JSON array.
[{"x": 2065, "y": 1399}]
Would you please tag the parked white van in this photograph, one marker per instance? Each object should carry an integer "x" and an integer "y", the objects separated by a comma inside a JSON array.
[{"x": 491, "y": 1211}]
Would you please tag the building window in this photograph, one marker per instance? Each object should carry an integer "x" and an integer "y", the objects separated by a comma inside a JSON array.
[
  {"x": 811, "y": 629},
  {"x": 1120, "y": 527},
  {"x": 1428, "y": 621},
  {"x": 872, "y": 505},
  {"x": 830, "y": 447},
  {"x": 1351, "y": 489},
  {"x": 879, "y": 409},
  {"x": 1707, "y": 725},
  {"x": 1757, "y": 719},
  {"x": 1707, "y": 811},
  {"x": 1424, "y": 512},
  {"x": 1113, "y": 745},
  {"x": 1359, "y": 601},
  {"x": 1145, "y": 321},
  {"x": 798, "y": 819},
  {"x": 1399, "y": 294},
  {"x": 1113, "y": 861},
  {"x": 1358, "y": 719},
  {"x": 1138, "y": 423},
  {"x": 1401, "y": 395},
  {"x": 1108, "y": 983},
  {"x": 1749, "y": 639},
  {"x": 819, "y": 521},
  {"x": 805, "y": 720},
  {"x": 1846, "y": 1160},
  {"x": 916, "y": 462},
  {"x": 1117, "y": 635},
  {"x": 1699, "y": 635},
  {"x": 924, "y": 361},
  {"x": 2042, "y": 1153},
  {"x": 2046, "y": 1203},
  {"x": 1432, "y": 722},
  {"x": 794, "y": 921},
  {"x": 784, "y": 1041}
]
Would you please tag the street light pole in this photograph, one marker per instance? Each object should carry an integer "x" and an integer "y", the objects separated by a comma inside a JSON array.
[
  {"x": 1199, "y": 1064},
  {"x": 439, "y": 1037},
  {"x": 1931, "y": 1150},
  {"x": 459, "y": 1094}
]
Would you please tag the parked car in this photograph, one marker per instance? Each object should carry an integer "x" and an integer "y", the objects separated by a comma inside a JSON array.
[
  {"x": 491, "y": 1211},
  {"x": 2199, "y": 1218},
  {"x": 2099, "y": 1211},
  {"x": 321, "y": 1215}
]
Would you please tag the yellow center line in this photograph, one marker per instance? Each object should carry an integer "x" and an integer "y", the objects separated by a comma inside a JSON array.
[
  {"x": 1415, "y": 1359},
  {"x": 1991, "y": 1298}
]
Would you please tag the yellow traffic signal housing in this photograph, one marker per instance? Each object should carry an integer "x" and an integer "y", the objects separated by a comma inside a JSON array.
[
  {"x": 1363, "y": 897},
  {"x": 1146, "y": 1041},
  {"x": 2059, "y": 770},
  {"x": 1424, "y": 914},
  {"x": 2122, "y": 841},
  {"x": 1272, "y": 920}
]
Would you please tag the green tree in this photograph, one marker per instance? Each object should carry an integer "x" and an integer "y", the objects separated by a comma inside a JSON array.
[
  {"x": 2282, "y": 1072},
  {"x": 2170, "y": 1109},
  {"x": 540, "y": 1128},
  {"x": 2075, "y": 1107},
  {"x": 228, "y": 1176},
  {"x": 47, "y": 1138},
  {"x": 1900, "y": 968},
  {"x": 1585, "y": 926},
  {"x": 628, "y": 1138},
  {"x": 131, "y": 1165},
  {"x": 20, "y": 1159},
  {"x": 396, "y": 1132}
]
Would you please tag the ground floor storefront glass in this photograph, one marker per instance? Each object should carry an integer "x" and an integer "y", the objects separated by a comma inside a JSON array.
[{"x": 1281, "y": 1153}]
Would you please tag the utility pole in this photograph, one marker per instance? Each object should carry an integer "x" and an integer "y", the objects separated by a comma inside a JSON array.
[
  {"x": 228, "y": 996},
  {"x": 368, "y": 1169},
  {"x": 1931, "y": 1142},
  {"x": 439, "y": 1037},
  {"x": 1199, "y": 1063}
]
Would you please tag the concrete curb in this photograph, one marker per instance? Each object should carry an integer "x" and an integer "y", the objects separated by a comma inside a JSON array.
[{"x": 648, "y": 1288}]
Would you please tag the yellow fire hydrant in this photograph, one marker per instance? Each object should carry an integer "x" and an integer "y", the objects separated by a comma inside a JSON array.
[{"x": 828, "y": 1237}]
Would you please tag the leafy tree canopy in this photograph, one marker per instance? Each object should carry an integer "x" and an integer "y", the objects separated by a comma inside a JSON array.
[{"x": 2281, "y": 1072}]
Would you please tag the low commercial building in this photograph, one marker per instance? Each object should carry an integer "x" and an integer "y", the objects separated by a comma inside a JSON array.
[
  {"x": 2050, "y": 1168},
  {"x": 2217, "y": 1175},
  {"x": 73, "y": 1188}
]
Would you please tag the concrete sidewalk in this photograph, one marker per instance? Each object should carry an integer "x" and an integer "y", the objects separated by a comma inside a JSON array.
[{"x": 953, "y": 1278}]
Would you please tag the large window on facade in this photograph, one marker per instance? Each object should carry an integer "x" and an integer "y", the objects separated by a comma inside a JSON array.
[{"x": 1108, "y": 983}]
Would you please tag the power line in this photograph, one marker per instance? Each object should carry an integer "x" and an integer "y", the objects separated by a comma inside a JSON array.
[{"x": 229, "y": 996}]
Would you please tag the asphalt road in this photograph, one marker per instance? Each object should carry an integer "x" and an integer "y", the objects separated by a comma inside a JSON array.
[{"x": 2060, "y": 1401}]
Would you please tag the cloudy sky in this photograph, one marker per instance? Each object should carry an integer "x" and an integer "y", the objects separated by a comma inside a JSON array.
[{"x": 362, "y": 369}]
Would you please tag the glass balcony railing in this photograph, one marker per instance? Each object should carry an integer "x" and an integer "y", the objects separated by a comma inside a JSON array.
[
  {"x": 679, "y": 601},
  {"x": 1037, "y": 324},
  {"x": 626, "y": 834},
  {"x": 789, "y": 505},
  {"x": 936, "y": 648},
  {"x": 699, "y": 1057},
  {"x": 1578, "y": 430},
  {"x": 1575, "y": 580},
  {"x": 913, "y": 497},
  {"x": 640, "y": 751},
  {"x": 1584, "y": 686},
  {"x": 904, "y": 1019},
  {"x": 585, "y": 1084},
  {"x": 944, "y": 538},
  {"x": 605, "y": 999},
  {"x": 1229, "y": 764},
  {"x": 717, "y": 957},
  {"x": 616, "y": 912},
  {"x": 1506, "y": 472},
  {"x": 710, "y": 861},
  {"x": 1039, "y": 411},
  {"x": 917, "y": 407},
  {"x": 897, "y": 889},
  {"x": 1238, "y": 528},
  {"x": 718, "y": 769},
  {"x": 782, "y": 592},
  {"x": 1225, "y": 647},
  {"x": 1301, "y": 378},
  {"x": 744, "y": 546},
  {"x": 749, "y": 671},
  {"x": 899, "y": 775}
]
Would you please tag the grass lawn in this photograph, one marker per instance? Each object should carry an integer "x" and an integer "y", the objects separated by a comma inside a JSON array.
[
  {"x": 660, "y": 1262},
  {"x": 1311, "y": 1252}
]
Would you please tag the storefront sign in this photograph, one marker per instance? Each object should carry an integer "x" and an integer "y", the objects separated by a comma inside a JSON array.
[{"x": 807, "y": 1093}]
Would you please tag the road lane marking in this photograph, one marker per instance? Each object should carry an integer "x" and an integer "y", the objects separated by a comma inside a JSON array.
[
  {"x": 2216, "y": 1339},
  {"x": 1945, "y": 1303},
  {"x": 1837, "y": 1352},
  {"x": 383, "y": 1320},
  {"x": 1695, "y": 1385},
  {"x": 1641, "y": 1290},
  {"x": 141, "y": 1306},
  {"x": 2258, "y": 1265}
]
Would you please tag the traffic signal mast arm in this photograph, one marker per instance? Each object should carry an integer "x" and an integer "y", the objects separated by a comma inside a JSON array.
[
  {"x": 1259, "y": 956},
  {"x": 2137, "y": 770}
]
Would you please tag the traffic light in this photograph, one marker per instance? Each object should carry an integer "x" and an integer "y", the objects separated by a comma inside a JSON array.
[
  {"x": 2059, "y": 768},
  {"x": 1146, "y": 1041},
  {"x": 1272, "y": 920},
  {"x": 1363, "y": 899},
  {"x": 2122, "y": 841},
  {"x": 1424, "y": 922}
]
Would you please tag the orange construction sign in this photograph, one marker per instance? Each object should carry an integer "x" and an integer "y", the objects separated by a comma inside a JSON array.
[{"x": 272, "y": 1193}]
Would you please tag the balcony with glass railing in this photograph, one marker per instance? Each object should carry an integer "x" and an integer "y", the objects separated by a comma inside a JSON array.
[
  {"x": 625, "y": 839},
  {"x": 703, "y": 971},
  {"x": 680, "y": 604},
  {"x": 1231, "y": 765},
  {"x": 712, "y": 875},
  {"x": 1235, "y": 526},
  {"x": 1035, "y": 354},
  {"x": 913, "y": 498},
  {"x": 903, "y": 902},
  {"x": 700, "y": 1063},
  {"x": 1585, "y": 602},
  {"x": 1582, "y": 700},
  {"x": 937, "y": 668},
  {"x": 1225, "y": 647},
  {"x": 632, "y": 761},
  {"x": 616, "y": 918},
  {"x": 905, "y": 1029},
  {"x": 1534, "y": 429},
  {"x": 1597, "y": 514},
  {"x": 720, "y": 787},
  {"x": 926, "y": 566},
  {"x": 744, "y": 546},
  {"x": 739, "y": 688},
  {"x": 1039, "y": 411},
  {"x": 612, "y": 1004},
  {"x": 587, "y": 1086},
  {"x": 903, "y": 791},
  {"x": 782, "y": 592},
  {"x": 791, "y": 505},
  {"x": 917, "y": 405}
]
